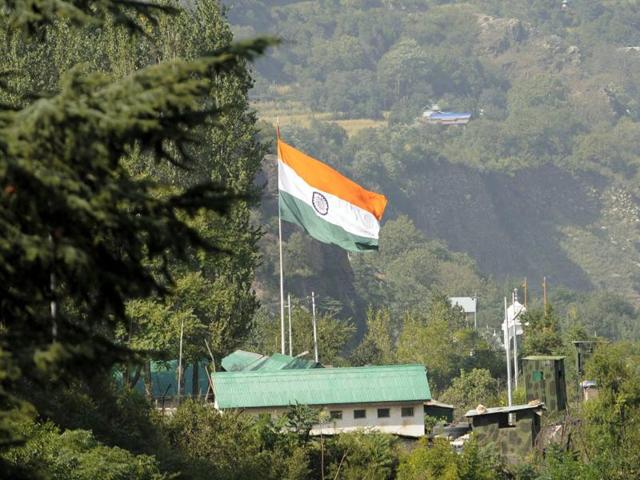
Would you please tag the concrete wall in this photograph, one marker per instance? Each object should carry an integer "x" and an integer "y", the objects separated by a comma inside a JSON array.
[{"x": 395, "y": 423}]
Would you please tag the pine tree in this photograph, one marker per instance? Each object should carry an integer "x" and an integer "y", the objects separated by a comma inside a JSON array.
[{"x": 80, "y": 233}]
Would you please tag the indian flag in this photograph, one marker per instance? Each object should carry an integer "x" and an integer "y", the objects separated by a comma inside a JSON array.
[{"x": 328, "y": 206}]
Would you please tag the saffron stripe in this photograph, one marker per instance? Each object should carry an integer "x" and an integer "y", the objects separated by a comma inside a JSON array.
[
  {"x": 350, "y": 217},
  {"x": 326, "y": 179}
]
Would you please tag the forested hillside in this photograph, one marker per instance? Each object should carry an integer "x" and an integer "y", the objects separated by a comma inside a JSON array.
[
  {"x": 543, "y": 181},
  {"x": 138, "y": 225}
]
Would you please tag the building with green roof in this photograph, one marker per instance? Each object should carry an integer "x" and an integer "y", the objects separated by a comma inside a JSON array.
[
  {"x": 382, "y": 398},
  {"x": 164, "y": 381}
]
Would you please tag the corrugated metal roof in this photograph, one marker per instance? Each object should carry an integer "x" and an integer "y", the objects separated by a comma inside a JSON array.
[
  {"x": 277, "y": 361},
  {"x": 321, "y": 386},
  {"x": 248, "y": 361},
  {"x": 164, "y": 378},
  {"x": 240, "y": 360},
  {"x": 514, "y": 408}
]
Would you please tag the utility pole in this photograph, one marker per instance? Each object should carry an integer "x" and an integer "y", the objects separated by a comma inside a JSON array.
[
  {"x": 315, "y": 331},
  {"x": 525, "y": 292},
  {"x": 180, "y": 361}
]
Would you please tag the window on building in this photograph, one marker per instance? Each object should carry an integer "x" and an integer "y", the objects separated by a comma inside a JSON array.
[
  {"x": 359, "y": 414},
  {"x": 383, "y": 413},
  {"x": 336, "y": 414},
  {"x": 407, "y": 411}
]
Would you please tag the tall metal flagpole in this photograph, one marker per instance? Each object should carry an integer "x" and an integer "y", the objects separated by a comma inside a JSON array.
[
  {"x": 315, "y": 330},
  {"x": 507, "y": 343},
  {"x": 290, "y": 336},
  {"x": 515, "y": 339},
  {"x": 282, "y": 349}
]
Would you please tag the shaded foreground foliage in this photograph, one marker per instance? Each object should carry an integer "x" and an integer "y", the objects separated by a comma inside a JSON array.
[
  {"x": 83, "y": 231},
  {"x": 121, "y": 176}
]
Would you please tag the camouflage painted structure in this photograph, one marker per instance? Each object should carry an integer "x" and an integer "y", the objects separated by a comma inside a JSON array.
[
  {"x": 512, "y": 431},
  {"x": 544, "y": 380},
  {"x": 584, "y": 350},
  {"x": 587, "y": 389}
]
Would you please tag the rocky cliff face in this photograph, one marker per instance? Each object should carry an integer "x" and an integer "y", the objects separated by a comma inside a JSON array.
[
  {"x": 580, "y": 231},
  {"x": 512, "y": 225}
]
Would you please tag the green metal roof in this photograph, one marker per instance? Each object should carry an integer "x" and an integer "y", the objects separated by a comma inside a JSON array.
[
  {"x": 248, "y": 361},
  {"x": 277, "y": 361},
  {"x": 240, "y": 360},
  {"x": 321, "y": 386},
  {"x": 164, "y": 379}
]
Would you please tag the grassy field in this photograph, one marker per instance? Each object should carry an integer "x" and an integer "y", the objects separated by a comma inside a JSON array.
[{"x": 290, "y": 113}]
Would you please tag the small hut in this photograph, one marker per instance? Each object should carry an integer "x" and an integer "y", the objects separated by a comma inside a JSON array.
[{"x": 512, "y": 430}]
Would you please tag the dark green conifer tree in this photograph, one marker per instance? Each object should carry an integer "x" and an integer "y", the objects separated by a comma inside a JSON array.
[{"x": 81, "y": 234}]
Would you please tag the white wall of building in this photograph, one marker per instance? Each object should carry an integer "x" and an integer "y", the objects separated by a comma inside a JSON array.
[{"x": 409, "y": 426}]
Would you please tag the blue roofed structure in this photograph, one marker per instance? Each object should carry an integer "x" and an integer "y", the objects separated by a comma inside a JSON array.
[{"x": 436, "y": 116}]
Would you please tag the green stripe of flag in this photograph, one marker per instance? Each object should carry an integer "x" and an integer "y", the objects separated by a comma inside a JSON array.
[{"x": 296, "y": 211}]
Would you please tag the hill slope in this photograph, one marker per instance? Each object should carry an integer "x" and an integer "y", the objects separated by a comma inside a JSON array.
[{"x": 543, "y": 180}]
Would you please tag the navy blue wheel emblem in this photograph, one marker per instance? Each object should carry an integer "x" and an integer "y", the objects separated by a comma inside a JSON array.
[{"x": 320, "y": 203}]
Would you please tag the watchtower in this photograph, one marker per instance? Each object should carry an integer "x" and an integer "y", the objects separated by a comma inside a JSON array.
[
  {"x": 513, "y": 431},
  {"x": 545, "y": 380}
]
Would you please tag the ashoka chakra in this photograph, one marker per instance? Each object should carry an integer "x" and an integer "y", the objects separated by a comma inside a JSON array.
[{"x": 320, "y": 203}]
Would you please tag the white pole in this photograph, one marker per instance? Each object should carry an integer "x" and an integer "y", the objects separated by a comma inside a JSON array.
[
  {"x": 180, "y": 360},
  {"x": 290, "y": 339},
  {"x": 280, "y": 247},
  {"x": 53, "y": 307},
  {"x": 315, "y": 331},
  {"x": 515, "y": 342},
  {"x": 507, "y": 342},
  {"x": 475, "y": 312}
]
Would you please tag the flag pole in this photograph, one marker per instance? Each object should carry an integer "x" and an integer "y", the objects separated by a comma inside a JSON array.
[
  {"x": 315, "y": 330},
  {"x": 290, "y": 340},
  {"x": 282, "y": 349},
  {"x": 507, "y": 342},
  {"x": 515, "y": 339}
]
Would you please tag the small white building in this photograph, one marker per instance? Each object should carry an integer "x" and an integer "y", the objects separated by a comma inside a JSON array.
[
  {"x": 469, "y": 306},
  {"x": 387, "y": 399}
]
